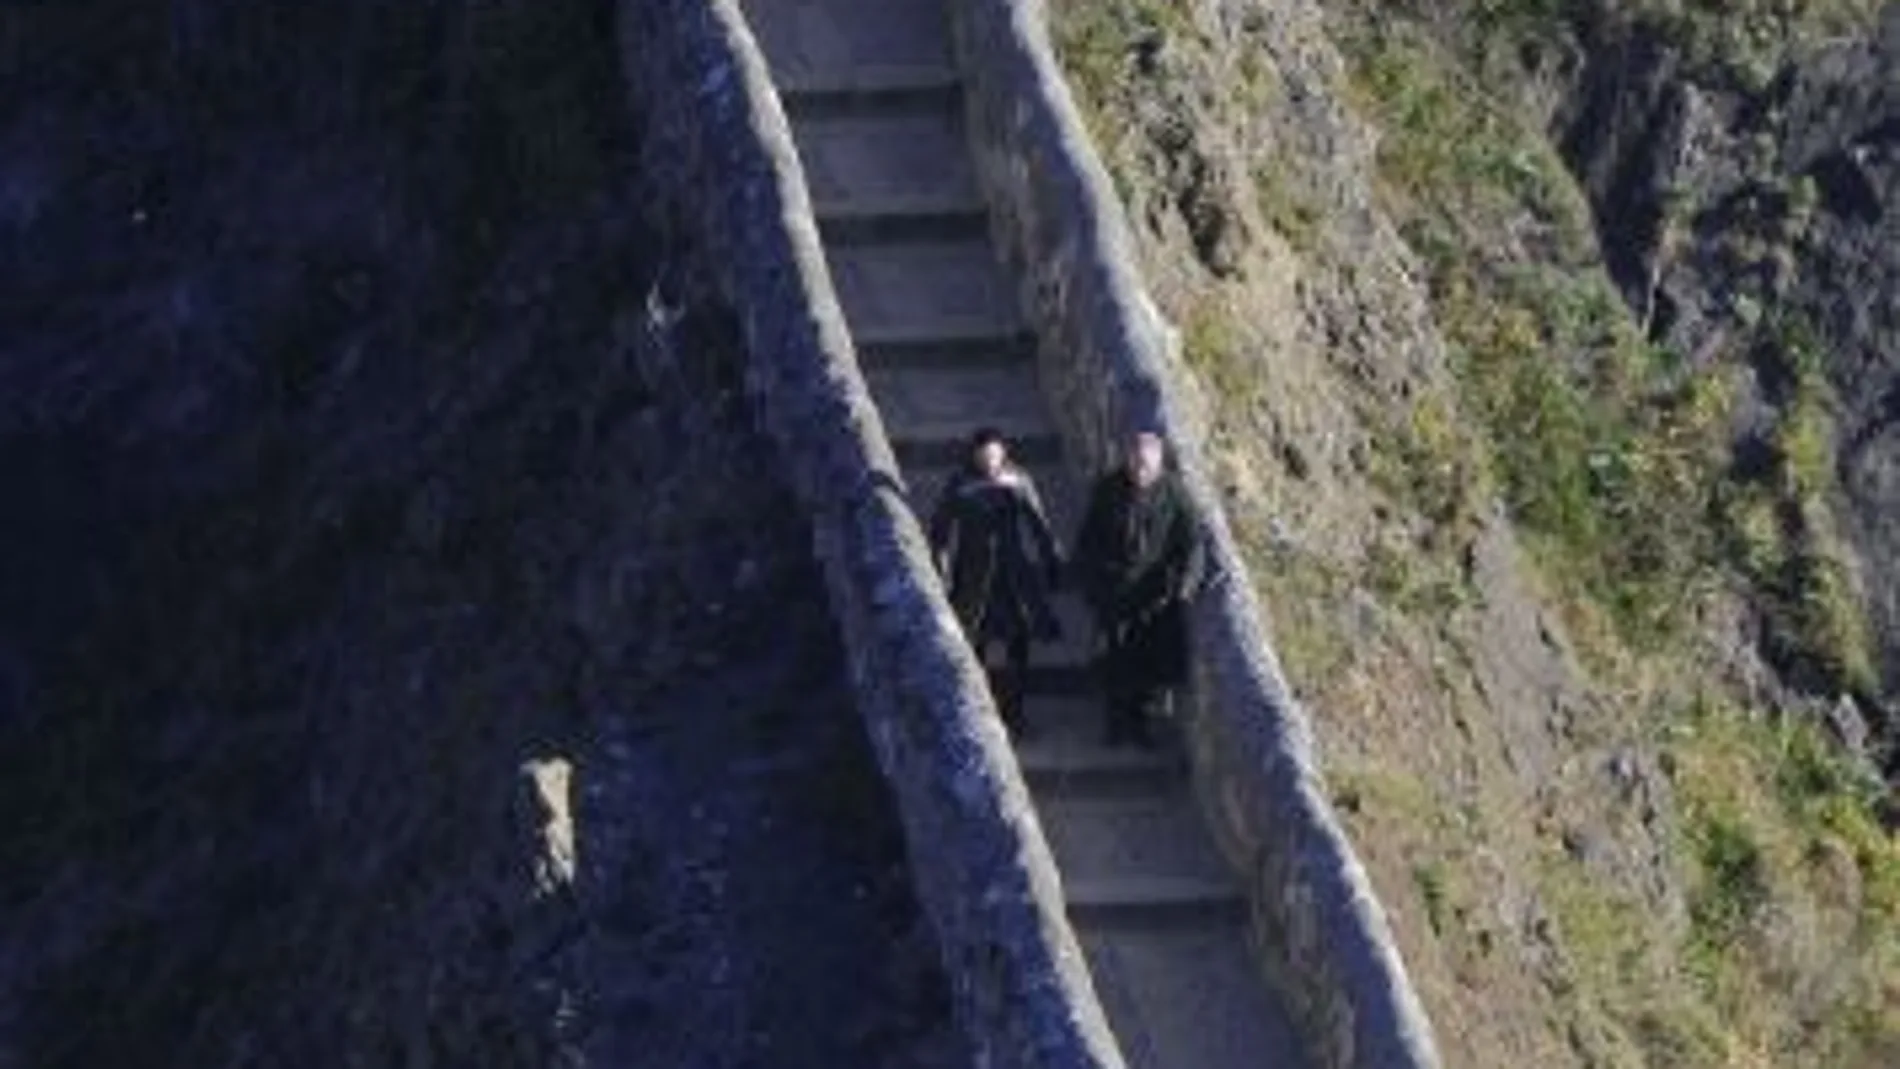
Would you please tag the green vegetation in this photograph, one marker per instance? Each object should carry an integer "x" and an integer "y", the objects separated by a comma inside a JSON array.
[
  {"x": 1429, "y": 460},
  {"x": 1609, "y": 452},
  {"x": 1285, "y": 210},
  {"x": 1303, "y": 588},
  {"x": 1790, "y": 952},
  {"x": 1616, "y": 461},
  {"x": 1210, "y": 345},
  {"x": 1599, "y": 443},
  {"x": 1443, "y": 142},
  {"x": 1618, "y": 980},
  {"x": 1780, "y": 535},
  {"x": 1733, "y": 42},
  {"x": 1743, "y": 41},
  {"x": 1430, "y": 879},
  {"x": 1096, "y": 39},
  {"x": 1787, "y": 863}
]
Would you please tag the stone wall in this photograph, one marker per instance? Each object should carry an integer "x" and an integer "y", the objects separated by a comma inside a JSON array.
[
  {"x": 1320, "y": 934},
  {"x": 718, "y": 140}
]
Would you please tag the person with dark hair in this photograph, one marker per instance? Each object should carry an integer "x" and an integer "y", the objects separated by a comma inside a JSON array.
[
  {"x": 995, "y": 548},
  {"x": 1139, "y": 558}
]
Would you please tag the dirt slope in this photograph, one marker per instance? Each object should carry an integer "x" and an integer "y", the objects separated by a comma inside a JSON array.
[{"x": 1573, "y": 660}]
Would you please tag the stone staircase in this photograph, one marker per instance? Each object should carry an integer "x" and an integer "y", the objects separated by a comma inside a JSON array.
[{"x": 874, "y": 98}]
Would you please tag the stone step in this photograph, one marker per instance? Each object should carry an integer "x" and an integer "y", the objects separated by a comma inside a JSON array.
[
  {"x": 817, "y": 46},
  {"x": 1074, "y": 722},
  {"x": 906, "y": 93},
  {"x": 1121, "y": 903},
  {"x": 946, "y": 350},
  {"x": 947, "y": 289},
  {"x": 1154, "y": 836},
  {"x": 1065, "y": 755},
  {"x": 1061, "y": 680},
  {"x": 901, "y": 165},
  {"x": 1188, "y": 995},
  {"x": 887, "y": 225},
  {"x": 952, "y": 402}
]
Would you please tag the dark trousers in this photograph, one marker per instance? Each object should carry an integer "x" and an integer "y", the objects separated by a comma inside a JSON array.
[
  {"x": 1009, "y": 681},
  {"x": 1142, "y": 665},
  {"x": 1132, "y": 709}
]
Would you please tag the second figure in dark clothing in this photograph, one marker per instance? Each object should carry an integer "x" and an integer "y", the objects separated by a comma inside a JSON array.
[
  {"x": 1139, "y": 558},
  {"x": 993, "y": 544}
]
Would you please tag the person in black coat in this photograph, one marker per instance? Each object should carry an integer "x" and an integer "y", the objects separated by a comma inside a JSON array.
[
  {"x": 993, "y": 544},
  {"x": 1139, "y": 557}
]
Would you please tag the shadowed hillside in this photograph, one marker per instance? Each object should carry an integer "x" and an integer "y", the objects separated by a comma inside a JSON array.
[{"x": 409, "y": 654}]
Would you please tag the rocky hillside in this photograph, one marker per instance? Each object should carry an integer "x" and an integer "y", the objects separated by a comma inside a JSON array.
[
  {"x": 1547, "y": 353},
  {"x": 408, "y": 653}
]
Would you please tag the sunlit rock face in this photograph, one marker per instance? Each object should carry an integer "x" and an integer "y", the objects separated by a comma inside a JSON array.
[
  {"x": 409, "y": 653},
  {"x": 1715, "y": 205}
]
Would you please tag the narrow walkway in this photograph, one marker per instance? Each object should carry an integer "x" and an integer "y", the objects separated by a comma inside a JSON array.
[{"x": 875, "y": 103}]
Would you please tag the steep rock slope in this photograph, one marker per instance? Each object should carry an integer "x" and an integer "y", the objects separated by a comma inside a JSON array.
[
  {"x": 1745, "y": 216},
  {"x": 1567, "y": 601},
  {"x": 409, "y": 654}
]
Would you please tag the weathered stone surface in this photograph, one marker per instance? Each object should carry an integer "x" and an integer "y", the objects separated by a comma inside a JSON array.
[
  {"x": 1647, "y": 137},
  {"x": 1105, "y": 356},
  {"x": 730, "y": 169},
  {"x": 1159, "y": 910}
]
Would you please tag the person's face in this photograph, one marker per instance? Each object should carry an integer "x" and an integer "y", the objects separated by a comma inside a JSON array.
[
  {"x": 1145, "y": 457},
  {"x": 990, "y": 457}
]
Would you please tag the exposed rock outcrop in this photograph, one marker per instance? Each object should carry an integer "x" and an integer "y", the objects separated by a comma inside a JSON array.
[
  {"x": 1720, "y": 207},
  {"x": 1587, "y": 825}
]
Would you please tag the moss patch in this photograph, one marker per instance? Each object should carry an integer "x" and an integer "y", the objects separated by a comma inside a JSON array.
[{"x": 1794, "y": 935}]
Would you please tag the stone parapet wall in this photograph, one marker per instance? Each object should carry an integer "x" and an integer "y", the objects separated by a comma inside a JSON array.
[
  {"x": 719, "y": 146},
  {"x": 1106, "y": 356}
]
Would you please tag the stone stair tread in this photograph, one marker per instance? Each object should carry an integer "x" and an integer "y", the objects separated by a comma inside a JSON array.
[
  {"x": 841, "y": 229},
  {"x": 903, "y": 94},
  {"x": 833, "y": 205},
  {"x": 1136, "y": 893},
  {"x": 1079, "y": 752},
  {"x": 850, "y": 43},
  {"x": 983, "y": 340},
  {"x": 1156, "y": 836},
  {"x": 886, "y": 164},
  {"x": 954, "y": 402},
  {"x": 937, "y": 289},
  {"x": 921, "y": 350},
  {"x": 1072, "y": 723},
  {"x": 1188, "y": 996},
  {"x": 926, "y": 82},
  {"x": 1060, "y": 759}
]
